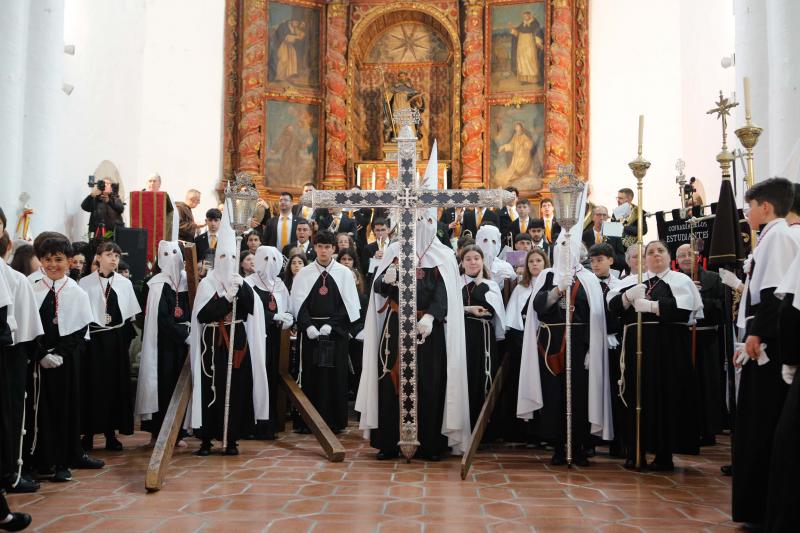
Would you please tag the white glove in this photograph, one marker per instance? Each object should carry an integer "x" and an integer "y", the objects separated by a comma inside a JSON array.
[
  {"x": 645, "y": 306},
  {"x": 285, "y": 319},
  {"x": 612, "y": 342},
  {"x": 787, "y": 371},
  {"x": 564, "y": 282},
  {"x": 635, "y": 293},
  {"x": 312, "y": 332},
  {"x": 390, "y": 276},
  {"x": 741, "y": 358},
  {"x": 360, "y": 336},
  {"x": 51, "y": 360},
  {"x": 236, "y": 282},
  {"x": 747, "y": 264},
  {"x": 425, "y": 326},
  {"x": 730, "y": 279},
  {"x": 325, "y": 330}
]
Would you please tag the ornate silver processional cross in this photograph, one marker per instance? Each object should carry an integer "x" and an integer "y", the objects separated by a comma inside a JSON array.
[{"x": 405, "y": 199}]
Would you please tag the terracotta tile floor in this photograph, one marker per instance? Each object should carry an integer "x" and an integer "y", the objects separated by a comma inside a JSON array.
[{"x": 288, "y": 486}]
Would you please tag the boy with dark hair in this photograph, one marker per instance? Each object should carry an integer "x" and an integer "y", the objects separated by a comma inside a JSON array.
[
  {"x": 547, "y": 213},
  {"x": 793, "y": 218},
  {"x": 325, "y": 303},
  {"x": 65, "y": 313},
  {"x": 107, "y": 401},
  {"x": 374, "y": 250},
  {"x": 761, "y": 389},
  {"x": 536, "y": 231},
  {"x": 523, "y": 242},
  {"x": 206, "y": 242}
]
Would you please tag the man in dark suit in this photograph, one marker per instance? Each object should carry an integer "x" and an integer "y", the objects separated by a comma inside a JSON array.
[
  {"x": 302, "y": 240},
  {"x": 536, "y": 231},
  {"x": 206, "y": 243},
  {"x": 594, "y": 235},
  {"x": 474, "y": 217},
  {"x": 300, "y": 211},
  {"x": 507, "y": 216},
  {"x": 374, "y": 250},
  {"x": 523, "y": 221},
  {"x": 281, "y": 229},
  {"x": 547, "y": 214},
  {"x": 341, "y": 222}
]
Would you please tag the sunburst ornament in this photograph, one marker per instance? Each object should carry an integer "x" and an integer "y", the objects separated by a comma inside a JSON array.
[{"x": 411, "y": 43}]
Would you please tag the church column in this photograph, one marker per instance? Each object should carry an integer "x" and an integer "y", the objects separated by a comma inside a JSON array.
[
  {"x": 558, "y": 113},
  {"x": 254, "y": 79},
  {"x": 472, "y": 98},
  {"x": 335, "y": 87}
]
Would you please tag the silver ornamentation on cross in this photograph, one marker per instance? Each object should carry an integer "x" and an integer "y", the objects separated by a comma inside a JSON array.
[{"x": 405, "y": 199}]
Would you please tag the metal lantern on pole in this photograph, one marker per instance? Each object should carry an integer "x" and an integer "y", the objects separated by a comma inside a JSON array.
[
  {"x": 241, "y": 199},
  {"x": 568, "y": 202}
]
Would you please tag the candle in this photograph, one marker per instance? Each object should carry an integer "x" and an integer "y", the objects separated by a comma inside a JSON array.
[
  {"x": 747, "y": 98},
  {"x": 444, "y": 182},
  {"x": 373, "y": 178},
  {"x": 387, "y": 174},
  {"x": 641, "y": 132},
  {"x": 358, "y": 176}
]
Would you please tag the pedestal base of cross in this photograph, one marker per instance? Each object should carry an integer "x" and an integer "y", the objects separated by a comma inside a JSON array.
[{"x": 405, "y": 200}]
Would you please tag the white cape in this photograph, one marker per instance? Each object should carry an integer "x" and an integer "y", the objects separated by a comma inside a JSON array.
[
  {"x": 518, "y": 300},
  {"x": 685, "y": 292},
  {"x": 456, "y": 423},
  {"x": 122, "y": 287},
  {"x": 256, "y": 341},
  {"x": 305, "y": 279},
  {"x": 23, "y": 313},
  {"x": 279, "y": 291},
  {"x": 74, "y": 312},
  {"x": 495, "y": 298}
]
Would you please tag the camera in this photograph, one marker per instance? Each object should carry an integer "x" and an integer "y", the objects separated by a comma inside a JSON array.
[
  {"x": 101, "y": 185},
  {"x": 91, "y": 182}
]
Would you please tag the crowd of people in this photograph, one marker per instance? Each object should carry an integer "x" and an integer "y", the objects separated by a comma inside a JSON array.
[{"x": 68, "y": 316}]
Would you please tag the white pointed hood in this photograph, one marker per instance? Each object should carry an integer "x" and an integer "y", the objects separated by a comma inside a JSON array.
[
  {"x": 226, "y": 256},
  {"x": 268, "y": 263}
]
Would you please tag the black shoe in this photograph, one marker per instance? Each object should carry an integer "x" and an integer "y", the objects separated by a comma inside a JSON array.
[
  {"x": 387, "y": 455},
  {"x": 661, "y": 467},
  {"x": 205, "y": 449},
  {"x": 25, "y": 485},
  {"x": 88, "y": 463},
  {"x": 87, "y": 443},
  {"x": 232, "y": 449},
  {"x": 18, "y": 522},
  {"x": 581, "y": 461},
  {"x": 302, "y": 431},
  {"x": 590, "y": 452},
  {"x": 630, "y": 464},
  {"x": 62, "y": 475},
  {"x": 727, "y": 470},
  {"x": 113, "y": 444}
]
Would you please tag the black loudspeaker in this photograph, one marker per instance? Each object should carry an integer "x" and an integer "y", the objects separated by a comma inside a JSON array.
[{"x": 133, "y": 242}]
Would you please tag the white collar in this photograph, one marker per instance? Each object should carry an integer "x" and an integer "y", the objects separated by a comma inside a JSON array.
[
  {"x": 325, "y": 268},
  {"x": 288, "y": 215}
]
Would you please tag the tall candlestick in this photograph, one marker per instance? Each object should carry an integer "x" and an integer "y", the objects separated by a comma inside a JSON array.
[
  {"x": 373, "y": 178},
  {"x": 641, "y": 132},
  {"x": 387, "y": 174},
  {"x": 358, "y": 176},
  {"x": 747, "y": 114}
]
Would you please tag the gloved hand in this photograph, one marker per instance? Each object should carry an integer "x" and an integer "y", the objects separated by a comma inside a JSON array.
[
  {"x": 730, "y": 279},
  {"x": 644, "y": 305},
  {"x": 787, "y": 372},
  {"x": 390, "y": 276},
  {"x": 51, "y": 360},
  {"x": 236, "y": 282},
  {"x": 425, "y": 326},
  {"x": 286, "y": 320},
  {"x": 748, "y": 264},
  {"x": 360, "y": 336},
  {"x": 325, "y": 330},
  {"x": 312, "y": 332},
  {"x": 635, "y": 293},
  {"x": 740, "y": 358},
  {"x": 564, "y": 282},
  {"x": 612, "y": 342}
]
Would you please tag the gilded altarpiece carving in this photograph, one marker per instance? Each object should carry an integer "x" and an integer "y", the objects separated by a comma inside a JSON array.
[{"x": 502, "y": 86}]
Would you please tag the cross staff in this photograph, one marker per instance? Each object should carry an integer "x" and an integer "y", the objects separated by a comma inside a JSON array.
[{"x": 406, "y": 199}]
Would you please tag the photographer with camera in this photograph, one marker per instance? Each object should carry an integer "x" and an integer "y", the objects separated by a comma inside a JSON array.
[{"x": 104, "y": 204}]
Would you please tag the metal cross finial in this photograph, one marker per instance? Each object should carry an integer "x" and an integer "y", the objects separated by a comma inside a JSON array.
[{"x": 723, "y": 111}]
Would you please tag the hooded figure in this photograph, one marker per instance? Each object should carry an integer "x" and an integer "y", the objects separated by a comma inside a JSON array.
[
  {"x": 166, "y": 330},
  {"x": 211, "y": 328},
  {"x": 274, "y": 297},
  {"x": 442, "y": 403},
  {"x": 543, "y": 363},
  {"x": 489, "y": 239}
]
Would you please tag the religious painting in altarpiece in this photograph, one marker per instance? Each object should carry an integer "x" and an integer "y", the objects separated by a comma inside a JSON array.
[
  {"x": 516, "y": 58},
  {"x": 516, "y": 146},
  {"x": 292, "y": 155},
  {"x": 294, "y": 46}
]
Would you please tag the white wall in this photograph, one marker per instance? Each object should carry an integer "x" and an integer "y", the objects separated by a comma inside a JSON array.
[{"x": 662, "y": 60}]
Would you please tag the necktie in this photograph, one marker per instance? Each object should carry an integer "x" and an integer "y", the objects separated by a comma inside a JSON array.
[
  {"x": 380, "y": 244},
  {"x": 547, "y": 232},
  {"x": 305, "y": 212},
  {"x": 478, "y": 217},
  {"x": 213, "y": 240},
  {"x": 604, "y": 287},
  {"x": 597, "y": 238},
  {"x": 523, "y": 226},
  {"x": 284, "y": 232},
  {"x": 512, "y": 214}
]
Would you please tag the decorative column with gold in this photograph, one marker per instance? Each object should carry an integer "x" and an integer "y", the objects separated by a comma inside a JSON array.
[
  {"x": 335, "y": 87},
  {"x": 254, "y": 78},
  {"x": 473, "y": 123},
  {"x": 558, "y": 113}
]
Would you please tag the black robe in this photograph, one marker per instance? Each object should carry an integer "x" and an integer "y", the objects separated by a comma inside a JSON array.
[
  {"x": 513, "y": 429},
  {"x": 214, "y": 311},
  {"x": 621, "y": 445},
  {"x": 325, "y": 386},
  {"x": 5, "y": 343},
  {"x": 172, "y": 350},
  {"x": 551, "y": 423},
  {"x": 57, "y": 409},
  {"x": 107, "y": 398},
  {"x": 760, "y": 400},
  {"x": 708, "y": 363},
  {"x": 274, "y": 333},
  {"x": 13, "y": 371},
  {"x": 783, "y": 500},
  {"x": 669, "y": 391},
  {"x": 431, "y": 369},
  {"x": 478, "y": 334},
  {"x": 356, "y": 348},
  {"x": 8, "y": 457}
]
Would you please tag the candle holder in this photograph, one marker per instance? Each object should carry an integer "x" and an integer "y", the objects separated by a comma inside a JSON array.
[{"x": 748, "y": 135}]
